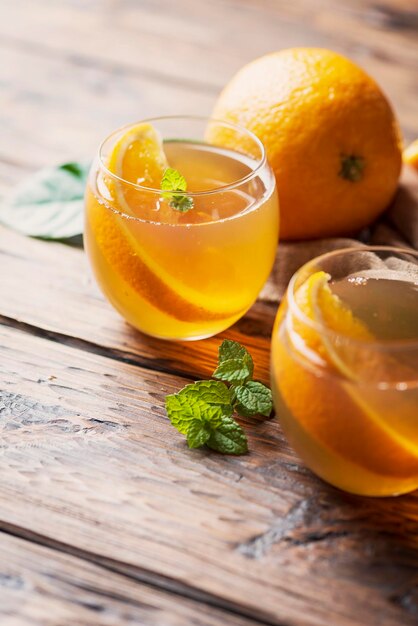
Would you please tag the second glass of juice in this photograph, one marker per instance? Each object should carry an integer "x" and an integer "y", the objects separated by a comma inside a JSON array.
[
  {"x": 344, "y": 368},
  {"x": 174, "y": 274}
]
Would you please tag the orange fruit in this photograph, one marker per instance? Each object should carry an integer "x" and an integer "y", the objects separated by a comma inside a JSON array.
[
  {"x": 138, "y": 157},
  {"x": 330, "y": 409},
  {"x": 410, "y": 154},
  {"x": 330, "y": 134}
]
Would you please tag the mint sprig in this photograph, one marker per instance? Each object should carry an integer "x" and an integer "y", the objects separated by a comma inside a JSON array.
[
  {"x": 228, "y": 438},
  {"x": 174, "y": 185},
  {"x": 203, "y": 411},
  {"x": 198, "y": 434},
  {"x": 253, "y": 398},
  {"x": 235, "y": 363},
  {"x": 204, "y": 400}
]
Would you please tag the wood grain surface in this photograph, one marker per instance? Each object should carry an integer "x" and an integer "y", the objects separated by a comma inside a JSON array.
[
  {"x": 106, "y": 517},
  {"x": 88, "y": 457},
  {"x": 39, "y": 585}
]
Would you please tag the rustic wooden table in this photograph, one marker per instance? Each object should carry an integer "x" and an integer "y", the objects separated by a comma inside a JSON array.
[{"x": 105, "y": 516}]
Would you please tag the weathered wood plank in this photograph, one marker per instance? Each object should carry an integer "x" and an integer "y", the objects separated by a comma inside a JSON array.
[
  {"x": 88, "y": 459},
  {"x": 53, "y": 110},
  {"x": 41, "y": 586},
  {"x": 133, "y": 60},
  {"x": 159, "y": 40},
  {"x": 33, "y": 273},
  {"x": 198, "y": 45}
]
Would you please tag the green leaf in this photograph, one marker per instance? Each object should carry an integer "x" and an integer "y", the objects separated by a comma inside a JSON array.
[
  {"x": 253, "y": 398},
  {"x": 204, "y": 393},
  {"x": 228, "y": 438},
  {"x": 204, "y": 400},
  {"x": 76, "y": 169},
  {"x": 179, "y": 411},
  {"x": 235, "y": 363},
  {"x": 181, "y": 203},
  {"x": 172, "y": 183},
  {"x": 49, "y": 204},
  {"x": 198, "y": 434}
]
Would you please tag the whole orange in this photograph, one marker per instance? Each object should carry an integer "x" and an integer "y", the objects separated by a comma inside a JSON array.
[{"x": 330, "y": 134}]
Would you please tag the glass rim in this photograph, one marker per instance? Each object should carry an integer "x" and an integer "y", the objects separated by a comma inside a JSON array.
[
  {"x": 395, "y": 344},
  {"x": 261, "y": 162}
]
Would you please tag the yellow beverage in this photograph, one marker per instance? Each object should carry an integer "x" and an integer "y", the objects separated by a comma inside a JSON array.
[
  {"x": 345, "y": 371},
  {"x": 184, "y": 275}
]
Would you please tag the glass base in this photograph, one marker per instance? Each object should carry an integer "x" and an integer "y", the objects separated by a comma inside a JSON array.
[
  {"x": 342, "y": 473},
  {"x": 183, "y": 339},
  {"x": 369, "y": 493},
  {"x": 215, "y": 330}
]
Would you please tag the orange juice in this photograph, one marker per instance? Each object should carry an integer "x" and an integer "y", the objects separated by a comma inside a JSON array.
[
  {"x": 185, "y": 275},
  {"x": 347, "y": 394}
]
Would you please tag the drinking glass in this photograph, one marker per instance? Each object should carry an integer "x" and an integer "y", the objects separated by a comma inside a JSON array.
[
  {"x": 344, "y": 368},
  {"x": 190, "y": 275}
]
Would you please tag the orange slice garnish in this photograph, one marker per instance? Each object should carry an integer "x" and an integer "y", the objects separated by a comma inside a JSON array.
[
  {"x": 138, "y": 157},
  {"x": 325, "y": 399}
]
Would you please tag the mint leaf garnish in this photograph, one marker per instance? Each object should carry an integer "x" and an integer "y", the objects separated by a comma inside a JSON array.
[
  {"x": 173, "y": 180},
  {"x": 205, "y": 400},
  {"x": 253, "y": 398},
  {"x": 182, "y": 203},
  {"x": 203, "y": 410},
  {"x": 179, "y": 412},
  {"x": 173, "y": 183},
  {"x": 198, "y": 433},
  {"x": 207, "y": 392},
  {"x": 235, "y": 363},
  {"x": 228, "y": 438}
]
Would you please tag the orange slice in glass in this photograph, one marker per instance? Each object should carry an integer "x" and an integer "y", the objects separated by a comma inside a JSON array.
[
  {"x": 333, "y": 410},
  {"x": 138, "y": 157}
]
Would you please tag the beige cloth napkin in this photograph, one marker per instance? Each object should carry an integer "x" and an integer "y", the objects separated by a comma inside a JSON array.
[{"x": 398, "y": 226}]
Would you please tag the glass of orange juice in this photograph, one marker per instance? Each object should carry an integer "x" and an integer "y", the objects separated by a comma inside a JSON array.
[
  {"x": 344, "y": 368},
  {"x": 182, "y": 259}
]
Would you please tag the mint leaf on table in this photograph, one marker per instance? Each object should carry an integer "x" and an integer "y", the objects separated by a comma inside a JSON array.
[
  {"x": 203, "y": 410},
  {"x": 198, "y": 433},
  {"x": 235, "y": 364},
  {"x": 48, "y": 204},
  {"x": 204, "y": 400},
  {"x": 205, "y": 393},
  {"x": 228, "y": 438},
  {"x": 180, "y": 412},
  {"x": 253, "y": 398},
  {"x": 174, "y": 185}
]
